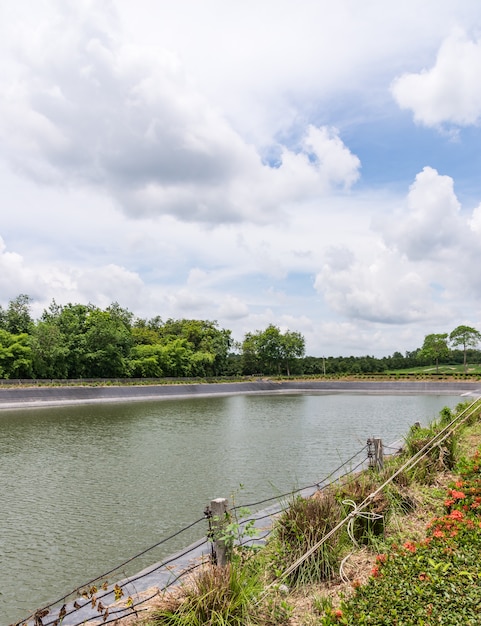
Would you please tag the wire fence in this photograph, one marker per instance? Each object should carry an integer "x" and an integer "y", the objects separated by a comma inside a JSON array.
[
  {"x": 88, "y": 603},
  {"x": 92, "y": 601}
]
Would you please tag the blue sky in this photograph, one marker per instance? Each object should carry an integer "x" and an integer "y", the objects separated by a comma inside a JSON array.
[{"x": 315, "y": 165}]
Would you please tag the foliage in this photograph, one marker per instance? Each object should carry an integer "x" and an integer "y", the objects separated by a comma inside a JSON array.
[
  {"x": 217, "y": 596},
  {"x": 435, "y": 347},
  {"x": 84, "y": 341},
  {"x": 16, "y": 319},
  {"x": 433, "y": 581},
  {"x": 270, "y": 351},
  {"x": 439, "y": 458},
  {"x": 465, "y": 336},
  {"x": 298, "y": 529},
  {"x": 15, "y": 355}
]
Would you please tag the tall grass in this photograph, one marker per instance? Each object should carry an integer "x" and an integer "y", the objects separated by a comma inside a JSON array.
[
  {"x": 218, "y": 596},
  {"x": 300, "y": 527}
]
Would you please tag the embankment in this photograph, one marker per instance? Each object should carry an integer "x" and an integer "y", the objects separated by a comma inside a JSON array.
[{"x": 37, "y": 396}]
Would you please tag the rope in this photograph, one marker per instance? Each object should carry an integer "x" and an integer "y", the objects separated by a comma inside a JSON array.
[{"x": 409, "y": 464}]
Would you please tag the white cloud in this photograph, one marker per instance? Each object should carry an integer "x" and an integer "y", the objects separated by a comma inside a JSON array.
[
  {"x": 210, "y": 167},
  {"x": 430, "y": 225},
  {"x": 381, "y": 289},
  {"x": 233, "y": 308},
  {"x": 91, "y": 110},
  {"x": 450, "y": 91}
]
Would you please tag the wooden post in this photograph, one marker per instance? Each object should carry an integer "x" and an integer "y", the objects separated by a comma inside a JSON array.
[
  {"x": 375, "y": 454},
  {"x": 219, "y": 508},
  {"x": 378, "y": 454}
]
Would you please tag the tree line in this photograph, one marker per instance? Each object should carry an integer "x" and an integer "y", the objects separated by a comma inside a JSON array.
[
  {"x": 84, "y": 341},
  {"x": 76, "y": 341}
]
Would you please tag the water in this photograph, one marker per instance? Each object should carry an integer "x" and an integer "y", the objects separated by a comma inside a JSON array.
[{"x": 84, "y": 488}]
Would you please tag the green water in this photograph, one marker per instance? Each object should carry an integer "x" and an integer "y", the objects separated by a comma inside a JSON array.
[{"x": 84, "y": 488}]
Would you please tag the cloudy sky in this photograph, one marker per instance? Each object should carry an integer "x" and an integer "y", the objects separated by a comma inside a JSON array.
[{"x": 313, "y": 164}]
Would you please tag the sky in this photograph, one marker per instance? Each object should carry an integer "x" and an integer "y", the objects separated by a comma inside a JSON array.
[{"x": 313, "y": 164}]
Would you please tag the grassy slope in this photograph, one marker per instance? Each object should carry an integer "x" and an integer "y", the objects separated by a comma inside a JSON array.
[{"x": 398, "y": 572}]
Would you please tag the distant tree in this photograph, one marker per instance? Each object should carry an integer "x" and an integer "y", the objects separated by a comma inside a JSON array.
[
  {"x": 49, "y": 351},
  {"x": 466, "y": 337},
  {"x": 15, "y": 355},
  {"x": 107, "y": 344},
  {"x": 17, "y": 318},
  {"x": 269, "y": 350},
  {"x": 435, "y": 347},
  {"x": 293, "y": 346},
  {"x": 208, "y": 344}
]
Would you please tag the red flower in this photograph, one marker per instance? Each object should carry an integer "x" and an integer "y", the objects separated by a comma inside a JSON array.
[
  {"x": 457, "y": 495},
  {"x": 409, "y": 545},
  {"x": 456, "y": 514}
]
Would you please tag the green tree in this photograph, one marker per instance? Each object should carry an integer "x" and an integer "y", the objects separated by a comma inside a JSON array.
[
  {"x": 17, "y": 318},
  {"x": 467, "y": 337},
  {"x": 49, "y": 351},
  {"x": 435, "y": 347},
  {"x": 71, "y": 322},
  {"x": 209, "y": 343},
  {"x": 107, "y": 344},
  {"x": 293, "y": 347},
  {"x": 15, "y": 355},
  {"x": 269, "y": 350}
]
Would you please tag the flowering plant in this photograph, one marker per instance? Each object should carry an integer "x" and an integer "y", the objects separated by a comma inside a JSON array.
[{"x": 426, "y": 582}]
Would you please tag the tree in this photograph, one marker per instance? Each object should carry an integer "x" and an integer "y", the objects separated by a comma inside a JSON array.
[
  {"x": 15, "y": 355},
  {"x": 17, "y": 317},
  {"x": 293, "y": 346},
  {"x": 49, "y": 351},
  {"x": 107, "y": 344},
  {"x": 209, "y": 344},
  {"x": 435, "y": 347},
  {"x": 269, "y": 350},
  {"x": 467, "y": 337}
]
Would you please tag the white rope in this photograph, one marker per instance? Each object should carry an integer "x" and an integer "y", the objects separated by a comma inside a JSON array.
[
  {"x": 370, "y": 516},
  {"x": 409, "y": 464}
]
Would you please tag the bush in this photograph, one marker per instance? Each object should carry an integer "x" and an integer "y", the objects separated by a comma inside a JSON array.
[
  {"x": 434, "y": 581},
  {"x": 300, "y": 527}
]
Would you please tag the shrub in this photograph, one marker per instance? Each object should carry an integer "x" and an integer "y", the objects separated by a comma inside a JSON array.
[
  {"x": 300, "y": 527},
  {"x": 434, "y": 581}
]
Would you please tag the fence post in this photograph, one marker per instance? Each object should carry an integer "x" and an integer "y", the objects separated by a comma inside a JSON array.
[
  {"x": 378, "y": 454},
  {"x": 375, "y": 453},
  {"x": 218, "y": 519}
]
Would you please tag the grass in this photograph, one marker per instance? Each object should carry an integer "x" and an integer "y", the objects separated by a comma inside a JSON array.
[
  {"x": 411, "y": 558},
  {"x": 443, "y": 369}
]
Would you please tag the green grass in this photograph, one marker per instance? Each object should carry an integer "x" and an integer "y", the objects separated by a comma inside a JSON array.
[
  {"x": 444, "y": 369},
  {"x": 423, "y": 545}
]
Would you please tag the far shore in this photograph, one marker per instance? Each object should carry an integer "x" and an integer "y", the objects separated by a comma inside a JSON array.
[{"x": 42, "y": 396}]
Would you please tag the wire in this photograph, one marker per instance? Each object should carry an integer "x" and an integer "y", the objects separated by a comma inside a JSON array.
[
  {"x": 290, "y": 493},
  {"x": 409, "y": 464},
  {"x": 115, "y": 569},
  {"x": 182, "y": 554}
]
